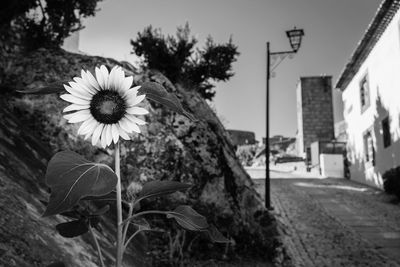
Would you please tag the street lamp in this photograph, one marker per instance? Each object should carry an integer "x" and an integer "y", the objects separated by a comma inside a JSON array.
[{"x": 295, "y": 36}]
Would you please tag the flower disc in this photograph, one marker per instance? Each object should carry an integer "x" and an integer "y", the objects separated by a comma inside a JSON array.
[{"x": 107, "y": 107}]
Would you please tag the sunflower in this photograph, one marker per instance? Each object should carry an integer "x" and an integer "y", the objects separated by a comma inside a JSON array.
[{"x": 106, "y": 105}]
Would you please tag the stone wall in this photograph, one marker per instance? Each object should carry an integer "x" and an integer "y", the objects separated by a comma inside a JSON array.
[{"x": 315, "y": 111}]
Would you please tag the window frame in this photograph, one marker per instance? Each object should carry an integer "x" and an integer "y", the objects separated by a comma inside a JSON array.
[
  {"x": 369, "y": 156},
  {"x": 365, "y": 95},
  {"x": 386, "y": 134}
]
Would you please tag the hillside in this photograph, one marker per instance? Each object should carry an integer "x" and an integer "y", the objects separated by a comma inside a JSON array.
[{"x": 171, "y": 147}]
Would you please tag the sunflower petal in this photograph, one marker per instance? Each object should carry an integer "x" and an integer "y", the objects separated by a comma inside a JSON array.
[
  {"x": 109, "y": 137},
  {"x": 75, "y": 107},
  {"x": 131, "y": 93},
  {"x": 75, "y": 92},
  {"x": 103, "y": 137},
  {"x": 74, "y": 100},
  {"x": 85, "y": 85},
  {"x": 100, "y": 79},
  {"x": 138, "y": 99},
  {"x": 136, "y": 111},
  {"x": 135, "y": 119},
  {"x": 122, "y": 133},
  {"x": 112, "y": 79},
  {"x": 87, "y": 136},
  {"x": 105, "y": 75},
  {"x": 133, "y": 126},
  {"x": 91, "y": 79},
  {"x": 115, "y": 133},
  {"x": 79, "y": 91},
  {"x": 97, "y": 133},
  {"x": 124, "y": 124},
  {"x": 120, "y": 77},
  {"x": 91, "y": 126},
  {"x": 83, "y": 129},
  {"x": 126, "y": 84},
  {"x": 79, "y": 116}
]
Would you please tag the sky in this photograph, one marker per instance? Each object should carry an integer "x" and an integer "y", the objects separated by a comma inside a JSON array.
[{"x": 332, "y": 30}]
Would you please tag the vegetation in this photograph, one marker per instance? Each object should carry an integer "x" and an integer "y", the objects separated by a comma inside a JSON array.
[
  {"x": 177, "y": 58},
  {"x": 391, "y": 181},
  {"x": 45, "y": 23}
]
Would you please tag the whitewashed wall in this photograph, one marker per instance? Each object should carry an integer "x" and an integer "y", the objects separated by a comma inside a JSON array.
[{"x": 383, "y": 67}]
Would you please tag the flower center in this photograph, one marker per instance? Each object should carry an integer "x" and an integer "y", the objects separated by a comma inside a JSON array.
[{"x": 107, "y": 107}]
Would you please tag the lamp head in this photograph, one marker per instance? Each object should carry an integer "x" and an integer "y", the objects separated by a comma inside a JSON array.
[{"x": 295, "y": 37}]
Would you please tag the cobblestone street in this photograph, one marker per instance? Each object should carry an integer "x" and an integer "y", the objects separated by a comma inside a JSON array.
[{"x": 336, "y": 222}]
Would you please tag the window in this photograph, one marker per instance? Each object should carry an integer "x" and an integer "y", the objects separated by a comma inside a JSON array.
[
  {"x": 387, "y": 140},
  {"x": 364, "y": 93},
  {"x": 369, "y": 148}
]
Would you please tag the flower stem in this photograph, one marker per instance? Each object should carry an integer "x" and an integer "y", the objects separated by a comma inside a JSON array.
[
  {"x": 97, "y": 246},
  {"x": 119, "y": 208}
]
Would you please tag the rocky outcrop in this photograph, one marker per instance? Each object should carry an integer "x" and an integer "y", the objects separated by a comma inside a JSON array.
[{"x": 171, "y": 147}]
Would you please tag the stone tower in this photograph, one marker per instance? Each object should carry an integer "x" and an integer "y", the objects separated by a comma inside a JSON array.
[{"x": 314, "y": 112}]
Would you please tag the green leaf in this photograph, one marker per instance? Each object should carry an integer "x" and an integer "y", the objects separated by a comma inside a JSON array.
[
  {"x": 142, "y": 224},
  {"x": 216, "y": 235},
  {"x": 72, "y": 214},
  {"x": 159, "y": 188},
  {"x": 51, "y": 88},
  {"x": 157, "y": 92},
  {"x": 56, "y": 264},
  {"x": 71, "y": 177},
  {"x": 188, "y": 218},
  {"x": 100, "y": 211},
  {"x": 72, "y": 228},
  {"x": 112, "y": 196}
]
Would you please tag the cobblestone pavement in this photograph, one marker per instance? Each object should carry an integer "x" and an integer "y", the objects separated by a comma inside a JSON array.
[{"x": 336, "y": 222}]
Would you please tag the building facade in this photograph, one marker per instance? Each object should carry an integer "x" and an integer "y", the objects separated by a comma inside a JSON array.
[
  {"x": 370, "y": 85},
  {"x": 314, "y": 112}
]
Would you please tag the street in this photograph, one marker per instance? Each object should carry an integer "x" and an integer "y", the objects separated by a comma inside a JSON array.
[{"x": 335, "y": 222}]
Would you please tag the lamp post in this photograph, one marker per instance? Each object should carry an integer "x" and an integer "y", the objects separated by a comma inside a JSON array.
[{"x": 295, "y": 36}]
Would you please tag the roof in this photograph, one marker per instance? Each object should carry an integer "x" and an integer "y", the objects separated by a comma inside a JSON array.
[{"x": 376, "y": 28}]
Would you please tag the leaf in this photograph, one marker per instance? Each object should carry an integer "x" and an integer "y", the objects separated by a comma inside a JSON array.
[
  {"x": 73, "y": 214},
  {"x": 101, "y": 211},
  {"x": 216, "y": 235},
  {"x": 188, "y": 218},
  {"x": 157, "y": 92},
  {"x": 71, "y": 177},
  {"x": 108, "y": 197},
  {"x": 56, "y": 264},
  {"x": 51, "y": 88},
  {"x": 159, "y": 188},
  {"x": 72, "y": 228},
  {"x": 142, "y": 224}
]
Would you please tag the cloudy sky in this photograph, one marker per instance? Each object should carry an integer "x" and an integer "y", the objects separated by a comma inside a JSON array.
[{"x": 332, "y": 30}]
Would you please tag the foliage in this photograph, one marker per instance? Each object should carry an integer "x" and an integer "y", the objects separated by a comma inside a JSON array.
[
  {"x": 177, "y": 58},
  {"x": 246, "y": 154},
  {"x": 46, "y": 23},
  {"x": 71, "y": 178},
  {"x": 75, "y": 182},
  {"x": 391, "y": 181}
]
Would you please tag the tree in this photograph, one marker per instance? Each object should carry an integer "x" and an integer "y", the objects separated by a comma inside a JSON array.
[
  {"x": 46, "y": 23},
  {"x": 177, "y": 58}
]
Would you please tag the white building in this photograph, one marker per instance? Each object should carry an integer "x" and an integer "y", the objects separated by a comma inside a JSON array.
[{"x": 370, "y": 85}]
